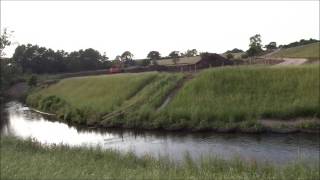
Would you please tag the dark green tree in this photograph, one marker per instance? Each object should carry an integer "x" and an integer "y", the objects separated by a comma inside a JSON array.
[
  {"x": 271, "y": 46},
  {"x": 191, "y": 53},
  {"x": 153, "y": 55},
  {"x": 255, "y": 47}
]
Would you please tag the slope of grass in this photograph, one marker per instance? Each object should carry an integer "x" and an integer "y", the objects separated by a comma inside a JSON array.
[
  {"x": 29, "y": 160},
  {"x": 225, "y": 96},
  {"x": 310, "y": 51},
  {"x": 213, "y": 99},
  {"x": 89, "y": 98}
]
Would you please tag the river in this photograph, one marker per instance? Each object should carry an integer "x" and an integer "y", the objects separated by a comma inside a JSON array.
[{"x": 22, "y": 122}]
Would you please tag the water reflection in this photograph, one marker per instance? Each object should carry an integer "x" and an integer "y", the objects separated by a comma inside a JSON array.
[{"x": 24, "y": 123}]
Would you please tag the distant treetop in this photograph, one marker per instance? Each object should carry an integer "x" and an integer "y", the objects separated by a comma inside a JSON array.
[
  {"x": 235, "y": 50},
  {"x": 299, "y": 43}
]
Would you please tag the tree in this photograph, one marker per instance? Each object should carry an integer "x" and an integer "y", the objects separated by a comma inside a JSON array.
[
  {"x": 4, "y": 40},
  {"x": 117, "y": 58},
  {"x": 153, "y": 55},
  {"x": 127, "y": 55},
  {"x": 235, "y": 50},
  {"x": 191, "y": 53},
  {"x": 174, "y": 54},
  {"x": 255, "y": 45},
  {"x": 230, "y": 56},
  {"x": 271, "y": 46}
]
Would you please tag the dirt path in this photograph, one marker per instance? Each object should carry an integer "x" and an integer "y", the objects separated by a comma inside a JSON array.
[
  {"x": 174, "y": 92},
  {"x": 292, "y": 61}
]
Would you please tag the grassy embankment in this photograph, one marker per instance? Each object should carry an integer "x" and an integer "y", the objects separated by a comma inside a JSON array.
[
  {"x": 227, "y": 97},
  {"x": 310, "y": 51},
  {"x": 87, "y": 100},
  {"x": 29, "y": 160}
]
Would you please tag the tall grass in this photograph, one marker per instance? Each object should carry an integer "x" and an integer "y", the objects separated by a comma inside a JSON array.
[
  {"x": 310, "y": 51},
  {"x": 85, "y": 99},
  {"x": 218, "y": 97},
  {"x": 29, "y": 160}
]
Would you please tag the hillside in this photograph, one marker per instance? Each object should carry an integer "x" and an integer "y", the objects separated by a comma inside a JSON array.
[
  {"x": 215, "y": 98},
  {"x": 309, "y": 51}
]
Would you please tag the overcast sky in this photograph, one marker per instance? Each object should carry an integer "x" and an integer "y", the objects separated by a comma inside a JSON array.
[{"x": 114, "y": 27}]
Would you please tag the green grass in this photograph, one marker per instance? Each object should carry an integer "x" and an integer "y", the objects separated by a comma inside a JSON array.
[
  {"x": 85, "y": 99},
  {"x": 29, "y": 160},
  {"x": 224, "y": 96},
  {"x": 310, "y": 51}
]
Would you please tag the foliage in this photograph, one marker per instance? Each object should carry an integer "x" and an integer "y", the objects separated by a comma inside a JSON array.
[
  {"x": 309, "y": 51},
  {"x": 127, "y": 55},
  {"x": 299, "y": 43},
  {"x": 153, "y": 55},
  {"x": 27, "y": 159},
  {"x": 271, "y": 46},
  {"x": 216, "y": 98},
  {"x": 96, "y": 94},
  {"x": 4, "y": 40},
  {"x": 32, "y": 81},
  {"x": 255, "y": 46},
  {"x": 174, "y": 54},
  {"x": 191, "y": 53},
  {"x": 235, "y": 50},
  {"x": 40, "y": 60}
]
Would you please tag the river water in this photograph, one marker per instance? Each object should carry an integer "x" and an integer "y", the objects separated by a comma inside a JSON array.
[{"x": 24, "y": 123}]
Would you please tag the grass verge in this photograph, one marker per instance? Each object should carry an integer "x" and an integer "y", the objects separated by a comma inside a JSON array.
[
  {"x": 227, "y": 96},
  {"x": 26, "y": 159},
  {"x": 310, "y": 51}
]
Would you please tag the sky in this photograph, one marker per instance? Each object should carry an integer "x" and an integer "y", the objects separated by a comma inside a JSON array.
[{"x": 142, "y": 26}]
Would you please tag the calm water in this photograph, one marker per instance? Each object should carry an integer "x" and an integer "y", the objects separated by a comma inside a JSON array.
[{"x": 279, "y": 148}]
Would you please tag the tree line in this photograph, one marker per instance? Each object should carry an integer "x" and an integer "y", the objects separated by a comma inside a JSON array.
[{"x": 40, "y": 60}]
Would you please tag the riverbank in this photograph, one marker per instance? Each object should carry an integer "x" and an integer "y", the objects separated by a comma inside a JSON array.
[
  {"x": 221, "y": 99},
  {"x": 26, "y": 159}
]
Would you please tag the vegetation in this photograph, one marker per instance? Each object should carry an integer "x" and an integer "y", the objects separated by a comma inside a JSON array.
[
  {"x": 216, "y": 98},
  {"x": 300, "y": 43},
  {"x": 222, "y": 97},
  {"x": 310, "y": 51},
  {"x": 90, "y": 98},
  {"x": 174, "y": 54},
  {"x": 255, "y": 46},
  {"x": 271, "y": 46},
  {"x": 235, "y": 50},
  {"x": 40, "y": 60},
  {"x": 30, "y": 160},
  {"x": 192, "y": 52},
  {"x": 154, "y": 55}
]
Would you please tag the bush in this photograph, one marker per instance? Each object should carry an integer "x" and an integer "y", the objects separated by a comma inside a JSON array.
[{"x": 32, "y": 81}]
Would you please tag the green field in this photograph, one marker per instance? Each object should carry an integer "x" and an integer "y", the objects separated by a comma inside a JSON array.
[
  {"x": 226, "y": 97},
  {"x": 29, "y": 160},
  {"x": 230, "y": 95},
  {"x": 90, "y": 98},
  {"x": 310, "y": 51}
]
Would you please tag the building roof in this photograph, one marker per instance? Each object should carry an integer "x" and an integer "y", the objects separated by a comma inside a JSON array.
[{"x": 181, "y": 61}]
